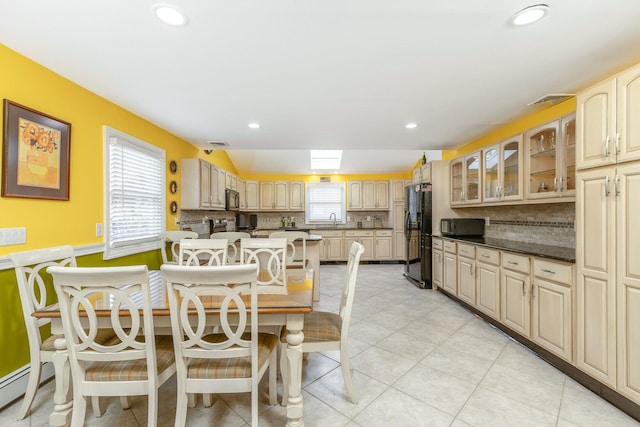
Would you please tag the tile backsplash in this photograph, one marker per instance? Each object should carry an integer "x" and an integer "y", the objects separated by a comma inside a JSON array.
[{"x": 549, "y": 224}]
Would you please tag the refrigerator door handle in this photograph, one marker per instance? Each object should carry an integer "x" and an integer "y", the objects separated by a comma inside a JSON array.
[{"x": 407, "y": 225}]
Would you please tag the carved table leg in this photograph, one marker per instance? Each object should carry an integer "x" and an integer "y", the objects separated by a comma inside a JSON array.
[
  {"x": 61, "y": 415},
  {"x": 294, "y": 357}
]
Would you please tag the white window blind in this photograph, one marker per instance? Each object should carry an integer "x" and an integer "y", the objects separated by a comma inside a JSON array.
[
  {"x": 323, "y": 199},
  {"x": 134, "y": 194}
]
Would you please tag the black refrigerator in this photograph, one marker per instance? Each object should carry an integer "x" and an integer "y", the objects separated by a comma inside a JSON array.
[{"x": 417, "y": 226}]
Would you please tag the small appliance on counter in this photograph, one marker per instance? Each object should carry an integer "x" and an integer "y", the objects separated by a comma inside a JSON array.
[
  {"x": 246, "y": 221},
  {"x": 470, "y": 227}
]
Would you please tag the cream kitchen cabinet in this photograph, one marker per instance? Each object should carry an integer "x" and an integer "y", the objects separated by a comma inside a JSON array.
[
  {"x": 296, "y": 196},
  {"x": 274, "y": 195},
  {"x": 466, "y": 179},
  {"x": 608, "y": 275},
  {"x": 368, "y": 195},
  {"x": 552, "y": 307},
  {"x": 502, "y": 171},
  {"x": 364, "y": 237},
  {"x": 488, "y": 281},
  {"x": 515, "y": 286},
  {"x": 332, "y": 246},
  {"x": 466, "y": 273},
  {"x": 202, "y": 185},
  {"x": 437, "y": 262},
  {"x": 607, "y": 126},
  {"x": 550, "y": 159},
  {"x": 231, "y": 181},
  {"x": 242, "y": 191},
  {"x": 397, "y": 188},
  {"x": 450, "y": 267},
  {"x": 252, "y": 193},
  {"x": 383, "y": 245}
]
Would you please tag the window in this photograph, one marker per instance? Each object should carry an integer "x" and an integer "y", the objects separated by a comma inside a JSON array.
[
  {"x": 134, "y": 194},
  {"x": 323, "y": 199}
]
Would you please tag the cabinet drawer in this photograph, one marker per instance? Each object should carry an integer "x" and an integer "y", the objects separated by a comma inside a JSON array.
[
  {"x": 359, "y": 233},
  {"x": 490, "y": 256},
  {"x": 465, "y": 250},
  {"x": 330, "y": 233},
  {"x": 515, "y": 262},
  {"x": 436, "y": 244},
  {"x": 450, "y": 246},
  {"x": 553, "y": 271},
  {"x": 384, "y": 233}
]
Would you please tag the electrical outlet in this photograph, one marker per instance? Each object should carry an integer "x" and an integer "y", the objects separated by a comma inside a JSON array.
[
  {"x": 13, "y": 236},
  {"x": 99, "y": 229},
  {"x": 487, "y": 222},
  {"x": 368, "y": 218}
]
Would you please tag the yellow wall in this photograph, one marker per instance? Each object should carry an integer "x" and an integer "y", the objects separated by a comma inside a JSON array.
[
  {"x": 334, "y": 177},
  {"x": 520, "y": 125}
]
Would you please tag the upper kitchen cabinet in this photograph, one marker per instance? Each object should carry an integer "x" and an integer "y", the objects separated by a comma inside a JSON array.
[
  {"x": 465, "y": 180},
  {"x": 296, "y": 195},
  {"x": 502, "y": 171},
  {"x": 231, "y": 181},
  {"x": 550, "y": 160},
  {"x": 251, "y": 195},
  {"x": 203, "y": 185},
  {"x": 608, "y": 131},
  {"x": 368, "y": 195},
  {"x": 274, "y": 195}
]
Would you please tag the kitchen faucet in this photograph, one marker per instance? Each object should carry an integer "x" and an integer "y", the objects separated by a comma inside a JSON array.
[{"x": 333, "y": 214}]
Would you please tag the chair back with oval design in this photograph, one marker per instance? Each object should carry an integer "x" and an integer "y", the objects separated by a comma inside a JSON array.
[
  {"x": 233, "y": 241},
  {"x": 293, "y": 236},
  {"x": 174, "y": 238},
  {"x": 270, "y": 256},
  {"x": 195, "y": 252}
]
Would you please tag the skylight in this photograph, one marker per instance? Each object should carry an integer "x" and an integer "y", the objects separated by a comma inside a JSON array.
[{"x": 326, "y": 159}]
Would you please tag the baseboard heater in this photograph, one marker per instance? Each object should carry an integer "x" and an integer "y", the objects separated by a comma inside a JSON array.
[{"x": 14, "y": 385}]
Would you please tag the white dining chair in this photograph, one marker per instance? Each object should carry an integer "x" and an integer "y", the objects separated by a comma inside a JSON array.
[
  {"x": 231, "y": 361},
  {"x": 291, "y": 237},
  {"x": 233, "y": 239},
  {"x": 270, "y": 256},
  {"x": 134, "y": 361},
  {"x": 173, "y": 237},
  {"x": 32, "y": 287},
  {"x": 326, "y": 331},
  {"x": 196, "y": 252}
]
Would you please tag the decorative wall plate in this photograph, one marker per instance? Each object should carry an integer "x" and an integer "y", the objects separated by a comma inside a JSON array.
[
  {"x": 173, "y": 187},
  {"x": 173, "y": 166},
  {"x": 174, "y": 207}
]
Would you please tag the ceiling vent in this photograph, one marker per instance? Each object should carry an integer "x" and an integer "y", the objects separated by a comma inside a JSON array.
[
  {"x": 218, "y": 145},
  {"x": 552, "y": 98}
]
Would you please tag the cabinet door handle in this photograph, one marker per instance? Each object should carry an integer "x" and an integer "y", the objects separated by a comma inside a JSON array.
[
  {"x": 533, "y": 290},
  {"x": 471, "y": 269},
  {"x": 523, "y": 291},
  {"x": 606, "y": 146},
  {"x": 617, "y": 145},
  {"x": 616, "y": 187},
  {"x": 548, "y": 271},
  {"x": 606, "y": 186},
  {"x": 484, "y": 256},
  {"x": 562, "y": 183},
  {"x": 512, "y": 262},
  {"x": 555, "y": 183}
]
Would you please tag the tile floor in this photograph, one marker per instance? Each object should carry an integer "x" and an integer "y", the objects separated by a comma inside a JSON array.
[{"x": 420, "y": 359}]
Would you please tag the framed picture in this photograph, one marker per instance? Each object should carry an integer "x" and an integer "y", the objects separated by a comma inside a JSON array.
[{"x": 35, "y": 155}]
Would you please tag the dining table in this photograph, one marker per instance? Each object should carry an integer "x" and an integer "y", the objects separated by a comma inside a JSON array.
[{"x": 274, "y": 309}]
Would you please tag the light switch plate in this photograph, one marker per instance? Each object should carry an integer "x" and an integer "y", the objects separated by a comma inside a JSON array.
[
  {"x": 99, "y": 229},
  {"x": 13, "y": 236}
]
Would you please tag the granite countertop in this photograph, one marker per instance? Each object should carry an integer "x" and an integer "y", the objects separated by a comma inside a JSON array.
[{"x": 544, "y": 251}]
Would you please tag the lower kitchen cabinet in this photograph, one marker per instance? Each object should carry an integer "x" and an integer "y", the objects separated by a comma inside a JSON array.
[
  {"x": 466, "y": 274},
  {"x": 437, "y": 263},
  {"x": 383, "y": 248},
  {"x": 331, "y": 247},
  {"x": 450, "y": 268},
  {"x": 515, "y": 284},
  {"x": 364, "y": 237},
  {"x": 488, "y": 282},
  {"x": 551, "y": 316}
]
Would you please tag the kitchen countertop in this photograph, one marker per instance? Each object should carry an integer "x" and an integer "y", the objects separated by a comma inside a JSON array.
[{"x": 544, "y": 251}]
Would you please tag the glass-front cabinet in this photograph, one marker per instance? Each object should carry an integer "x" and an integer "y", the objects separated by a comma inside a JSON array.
[
  {"x": 502, "y": 170},
  {"x": 465, "y": 179},
  {"x": 551, "y": 159}
]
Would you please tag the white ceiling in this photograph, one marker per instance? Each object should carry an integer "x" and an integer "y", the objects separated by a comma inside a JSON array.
[{"x": 326, "y": 74}]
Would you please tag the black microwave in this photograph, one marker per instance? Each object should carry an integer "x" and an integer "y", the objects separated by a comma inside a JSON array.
[
  {"x": 232, "y": 200},
  {"x": 472, "y": 227}
]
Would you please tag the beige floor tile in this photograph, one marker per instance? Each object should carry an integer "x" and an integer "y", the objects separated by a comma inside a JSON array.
[
  {"x": 531, "y": 367},
  {"x": 315, "y": 366},
  {"x": 475, "y": 345},
  {"x": 396, "y": 409},
  {"x": 382, "y": 365},
  {"x": 355, "y": 346},
  {"x": 369, "y": 332},
  {"x": 461, "y": 365},
  {"x": 407, "y": 346}
]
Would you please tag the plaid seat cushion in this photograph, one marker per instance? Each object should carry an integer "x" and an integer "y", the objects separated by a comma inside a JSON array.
[
  {"x": 319, "y": 326},
  {"x": 104, "y": 335},
  {"x": 236, "y": 367},
  {"x": 132, "y": 370}
]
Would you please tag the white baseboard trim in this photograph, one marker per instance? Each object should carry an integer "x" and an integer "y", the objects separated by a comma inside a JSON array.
[{"x": 14, "y": 385}]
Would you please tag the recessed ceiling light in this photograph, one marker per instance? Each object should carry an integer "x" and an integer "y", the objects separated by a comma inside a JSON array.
[
  {"x": 254, "y": 125},
  {"x": 170, "y": 15},
  {"x": 530, "y": 14},
  {"x": 411, "y": 125}
]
